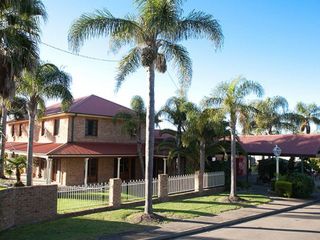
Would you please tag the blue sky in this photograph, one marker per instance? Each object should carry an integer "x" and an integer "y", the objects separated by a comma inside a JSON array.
[{"x": 274, "y": 42}]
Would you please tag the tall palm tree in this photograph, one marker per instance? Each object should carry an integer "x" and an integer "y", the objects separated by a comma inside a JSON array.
[
  {"x": 271, "y": 115},
  {"x": 202, "y": 126},
  {"x": 134, "y": 123},
  {"x": 175, "y": 113},
  {"x": 47, "y": 81},
  {"x": 155, "y": 34},
  {"x": 230, "y": 97},
  {"x": 19, "y": 37},
  {"x": 304, "y": 115}
]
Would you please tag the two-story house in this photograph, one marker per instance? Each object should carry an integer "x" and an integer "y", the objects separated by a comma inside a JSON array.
[{"x": 82, "y": 145}]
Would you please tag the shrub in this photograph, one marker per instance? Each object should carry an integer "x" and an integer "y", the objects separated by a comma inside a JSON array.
[
  {"x": 283, "y": 188},
  {"x": 302, "y": 185}
]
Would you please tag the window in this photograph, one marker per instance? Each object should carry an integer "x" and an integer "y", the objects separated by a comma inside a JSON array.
[
  {"x": 20, "y": 130},
  {"x": 42, "y": 128},
  {"x": 91, "y": 127},
  {"x": 12, "y": 130},
  {"x": 56, "y": 127}
]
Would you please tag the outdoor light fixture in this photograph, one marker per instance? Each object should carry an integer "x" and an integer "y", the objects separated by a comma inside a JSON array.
[{"x": 277, "y": 153}]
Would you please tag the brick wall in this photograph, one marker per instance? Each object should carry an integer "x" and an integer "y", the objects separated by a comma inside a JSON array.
[
  {"x": 105, "y": 169},
  {"x": 27, "y": 205},
  {"x": 48, "y": 136},
  {"x": 107, "y": 131}
]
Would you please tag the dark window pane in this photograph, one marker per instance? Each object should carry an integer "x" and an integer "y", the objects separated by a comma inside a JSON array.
[
  {"x": 56, "y": 127},
  {"x": 91, "y": 127}
]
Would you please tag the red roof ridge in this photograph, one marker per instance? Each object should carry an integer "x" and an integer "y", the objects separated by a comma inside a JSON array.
[{"x": 82, "y": 99}]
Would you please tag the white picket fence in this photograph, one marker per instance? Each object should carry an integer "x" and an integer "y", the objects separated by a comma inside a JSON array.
[
  {"x": 180, "y": 183},
  {"x": 213, "y": 179},
  {"x": 72, "y": 198},
  {"x": 135, "y": 190},
  {"x": 83, "y": 196}
]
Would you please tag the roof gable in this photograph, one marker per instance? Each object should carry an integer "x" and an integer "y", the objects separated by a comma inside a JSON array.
[{"x": 91, "y": 105}]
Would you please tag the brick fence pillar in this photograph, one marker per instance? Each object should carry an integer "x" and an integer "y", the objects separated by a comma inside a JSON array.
[
  {"x": 163, "y": 187},
  {"x": 115, "y": 192},
  {"x": 198, "y": 182}
]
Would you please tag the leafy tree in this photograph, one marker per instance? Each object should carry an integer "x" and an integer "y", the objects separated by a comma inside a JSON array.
[
  {"x": 304, "y": 115},
  {"x": 16, "y": 164},
  {"x": 271, "y": 116},
  {"x": 19, "y": 36},
  {"x": 175, "y": 113},
  {"x": 230, "y": 97},
  {"x": 47, "y": 81},
  {"x": 133, "y": 123},
  {"x": 202, "y": 126},
  {"x": 155, "y": 34}
]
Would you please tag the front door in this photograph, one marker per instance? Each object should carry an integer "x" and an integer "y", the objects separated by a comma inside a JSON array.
[{"x": 93, "y": 170}]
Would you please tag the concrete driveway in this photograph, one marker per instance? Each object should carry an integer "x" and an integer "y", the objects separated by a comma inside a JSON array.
[{"x": 303, "y": 223}]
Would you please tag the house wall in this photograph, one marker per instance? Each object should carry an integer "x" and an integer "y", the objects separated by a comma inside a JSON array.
[
  {"x": 105, "y": 169},
  {"x": 107, "y": 131},
  {"x": 48, "y": 136}
]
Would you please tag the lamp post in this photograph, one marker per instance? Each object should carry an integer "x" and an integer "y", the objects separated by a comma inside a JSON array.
[{"x": 277, "y": 153}]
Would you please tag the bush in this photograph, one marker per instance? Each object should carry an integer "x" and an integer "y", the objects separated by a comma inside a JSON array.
[
  {"x": 283, "y": 188},
  {"x": 302, "y": 185}
]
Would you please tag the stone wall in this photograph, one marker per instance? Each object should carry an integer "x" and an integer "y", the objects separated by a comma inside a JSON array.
[{"x": 27, "y": 205}]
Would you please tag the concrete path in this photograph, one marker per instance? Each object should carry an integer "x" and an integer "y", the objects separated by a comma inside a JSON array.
[
  {"x": 302, "y": 223},
  {"x": 179, "y": 228}
]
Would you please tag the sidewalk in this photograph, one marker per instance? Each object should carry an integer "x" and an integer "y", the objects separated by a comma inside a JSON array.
[{"x": 179, "y": 228}]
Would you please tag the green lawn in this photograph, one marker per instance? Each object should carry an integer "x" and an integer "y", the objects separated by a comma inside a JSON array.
[
  {"x": 2, "y": 188},
  {"x": 110, "y": 222}
]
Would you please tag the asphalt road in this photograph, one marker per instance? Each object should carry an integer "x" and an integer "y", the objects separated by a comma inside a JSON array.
[{"x": 299, "y": 224}]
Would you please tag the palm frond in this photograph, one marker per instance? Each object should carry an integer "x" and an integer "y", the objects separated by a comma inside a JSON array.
[
  {"x": 128, "y": 64},
  {"x": 98, "y": 24}
]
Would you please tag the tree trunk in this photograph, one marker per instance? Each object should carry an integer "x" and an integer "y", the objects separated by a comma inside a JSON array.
[
  {"x": 202, "y": 155},
  {"x": 32, "y": 114},
  {"x": 18, "y": 175},
  {"x": 233, "y": 185},
  {"x": 3, "y": 139},
  {"x": 149, "y": 141},
  {"x": 179, "y": 147},
  {"x": 139, "y": 151}
]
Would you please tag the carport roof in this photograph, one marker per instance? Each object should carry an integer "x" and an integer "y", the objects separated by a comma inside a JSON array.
[{"x": 290, "y": 144}]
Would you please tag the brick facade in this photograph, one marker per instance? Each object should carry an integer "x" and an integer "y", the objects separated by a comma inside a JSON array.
[
  {"x": 48, "y": 136},
  {"x": 27, "y": 205}
]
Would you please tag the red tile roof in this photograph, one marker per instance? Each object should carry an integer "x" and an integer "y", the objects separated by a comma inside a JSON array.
[
  {"x": 38, "y": 148},
  {"x": 92, "y": 105},
  {"x": 78, "y": 149},
  {"x": 291, "y": 144},
  {"x": 89, "y": 148}
]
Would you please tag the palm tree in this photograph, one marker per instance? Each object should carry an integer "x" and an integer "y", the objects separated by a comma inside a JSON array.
[
  {"x": 271, "y": 115},
  {"x": 133, "y": 124},
  {"x": 19, "y": 36},
  {"x": 202, "y": 126},
  {"x": 174, "y": 112},
  {"x": 155, "y": 34},
  {"x": 47, "y": 81},
  {"x": 16, "y": 109},
  {"x": 304, "y": 115},
  {"x": 16, "y": 165},
  {"x": 230, "y": 98}
]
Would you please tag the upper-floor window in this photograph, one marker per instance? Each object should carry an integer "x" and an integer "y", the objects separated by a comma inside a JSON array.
[
  {"x": 56, "y": 127},
  {"x": 12, "y": 130},
  {"x": 20, "y": 129},
  {"x": 42, "y": 128},
  {"x": 91, "y": 127}
]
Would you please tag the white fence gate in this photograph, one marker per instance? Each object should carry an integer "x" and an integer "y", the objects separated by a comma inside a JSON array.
[
  {"x": 135, "y": 190},
  {"x": 180, "y": 183},
  {"x": 213, "y": 179}
]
